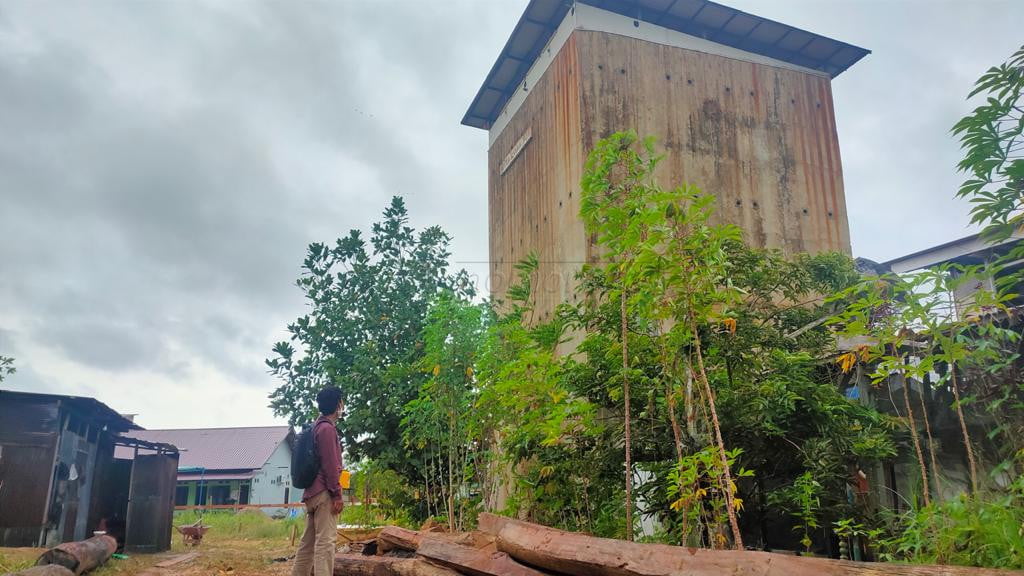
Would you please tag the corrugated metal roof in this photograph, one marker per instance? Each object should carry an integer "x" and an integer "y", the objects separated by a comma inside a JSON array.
[
  {"x": 218, "y": 448},
  {"x": 98, "y": 410},
  {"x": 700, "y": 18},
  {"x": 973, "y": 248},
  {"x": 182, "y": 477}
]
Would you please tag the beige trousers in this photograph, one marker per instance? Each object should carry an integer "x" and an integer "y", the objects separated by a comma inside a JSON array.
[{"x": 315, "y": 556}]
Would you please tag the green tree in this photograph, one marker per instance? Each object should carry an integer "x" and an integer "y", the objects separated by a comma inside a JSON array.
[
  {"x": 992, "y": 138},
  {"x": 368, "y": 306},
  {"x": 666, "y": 267}
]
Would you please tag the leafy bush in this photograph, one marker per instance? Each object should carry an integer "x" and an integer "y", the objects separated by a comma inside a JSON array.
[{"x": 970, "y": 531}]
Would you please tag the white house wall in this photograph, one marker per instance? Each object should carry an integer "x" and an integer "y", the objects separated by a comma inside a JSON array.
[{"x": 272, "y": 484}]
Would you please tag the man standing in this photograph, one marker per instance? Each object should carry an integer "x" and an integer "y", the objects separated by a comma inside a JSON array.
[{"x": 323, "y": 498}]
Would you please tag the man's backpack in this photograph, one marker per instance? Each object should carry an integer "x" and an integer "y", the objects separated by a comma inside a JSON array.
[{"x": 305, "y": 458}]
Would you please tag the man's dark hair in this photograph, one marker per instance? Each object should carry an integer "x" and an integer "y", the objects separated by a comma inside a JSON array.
[{"x": 327, "y": 399}]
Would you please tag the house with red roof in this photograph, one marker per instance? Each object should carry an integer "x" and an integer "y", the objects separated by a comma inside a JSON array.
[{"x": 231, "y": 466}]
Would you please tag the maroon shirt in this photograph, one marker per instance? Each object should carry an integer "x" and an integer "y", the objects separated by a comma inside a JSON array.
[{"x": 329, "y": 448}]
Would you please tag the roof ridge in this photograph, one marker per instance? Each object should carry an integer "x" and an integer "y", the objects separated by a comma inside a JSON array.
[{"x": 216, "y": 428}]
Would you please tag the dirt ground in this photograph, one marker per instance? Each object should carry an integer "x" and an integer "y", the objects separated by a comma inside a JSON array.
[{"x": 219, "y": 555}]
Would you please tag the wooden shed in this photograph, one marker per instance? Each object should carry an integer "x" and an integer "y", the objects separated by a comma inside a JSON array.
[
  {"x": 60, "y": 481},
  {"x": 741, "y": 107}
]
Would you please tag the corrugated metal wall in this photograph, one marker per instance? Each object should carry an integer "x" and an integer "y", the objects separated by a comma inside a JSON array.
[
  {"x": 28, "y": 439},
  {"x": 761, "y": 138}
]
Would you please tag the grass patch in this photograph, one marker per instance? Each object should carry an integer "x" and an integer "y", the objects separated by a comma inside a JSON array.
[{"x": 244, "y": 525}]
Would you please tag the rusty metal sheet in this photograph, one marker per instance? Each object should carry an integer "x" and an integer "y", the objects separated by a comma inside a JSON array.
[
  {"x": 151, "y": 503},
  {"x": 28, "y": 438},
  {"x": 27, "y": 420}
]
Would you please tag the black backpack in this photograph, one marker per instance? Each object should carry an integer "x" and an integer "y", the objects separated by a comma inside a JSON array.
[{"x": 305, "y": 458}]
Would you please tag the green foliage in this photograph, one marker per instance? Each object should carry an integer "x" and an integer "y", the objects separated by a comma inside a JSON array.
[
  {"x": 369, "y": 303},
  {"x": 384, "y": 497},
  {"x": 696, "y": 494},
  {"x": 531, "y": 418},
  {"x": 967, "y": 531},
  {"x": 437, "y": 423},
  {"x": 703, "y": 305},
  {"x": 992, "y": 138},
  {"x": 805, "y": 498},
  {"x": 6, "y": 367}
]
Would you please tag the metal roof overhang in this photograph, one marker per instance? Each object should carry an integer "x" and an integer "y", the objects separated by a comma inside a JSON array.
[
  {"x": 97, "y": 410},
  {"x": 216, "y": 475},
  {"x": 700, "y": 18},
  {"x": 973, "y": 248}
]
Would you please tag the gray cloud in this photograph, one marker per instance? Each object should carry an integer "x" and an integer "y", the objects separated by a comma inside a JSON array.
[{"x": 164, "y": 165}]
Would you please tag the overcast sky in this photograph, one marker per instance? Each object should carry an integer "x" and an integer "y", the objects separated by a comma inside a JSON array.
[{"x": 164, "y": 164}]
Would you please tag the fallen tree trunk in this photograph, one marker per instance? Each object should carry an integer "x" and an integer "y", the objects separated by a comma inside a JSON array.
[
  {"x": 47, "y": 570},
  {"x": 396, "y": 538},
  {"x": 80, "y": 557},
  {"x": 360, "y": 565},
  {"x": 473, "y": 561},
  {"x": 392, "y": 537},
  {"x": 582, "y": 555}
]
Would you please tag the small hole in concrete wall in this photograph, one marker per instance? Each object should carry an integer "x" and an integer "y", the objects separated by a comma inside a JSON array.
[
  {"x": 600, "y": 66},
  {"x": 727, "y": 89},
  {"x": 755, "y": 204},
  {"x": 668, "y": 76},
  {"x": 751, "y": 92},
  {"x": 622, "y": 70},
  {"x": 792, "y": 101},
  {"x": 829, "y": 213},
  {"x": 570, "y": 194},
  {"x": 689, "y": 81},
  {"x": 805, "y": 210},
  {"x": 739, "y": 202},
  {"x": 559, "y": 203},
  {"x": 818, "y": 105}
]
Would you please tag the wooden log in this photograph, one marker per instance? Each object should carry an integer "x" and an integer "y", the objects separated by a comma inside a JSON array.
[
  {"x": 582, "y": 555},
  {"x": 472, "y": 561},
  {"x": 396, "y": 538},
  {"x": 491, "y": 523},
  {"x": 46, "y": 570},
  {"x": 392, "y": 537},
  {"x": 360, "y": 565},
  {"x": 421, "y": 567},
  {"x": 80, "y": 557}
]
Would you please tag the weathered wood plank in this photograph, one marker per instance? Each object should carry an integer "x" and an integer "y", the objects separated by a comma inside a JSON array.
[
  {"x": 392, "y": 537},
  {"x": 582, "y": 555},
  {"x": 473, "y": 561}
]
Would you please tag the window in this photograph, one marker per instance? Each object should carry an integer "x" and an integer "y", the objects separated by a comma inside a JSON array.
[
  {"x": 200, "y": 495},
  {"x": 220, "y": 495},
  {"x": 181, "y": 496}
]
